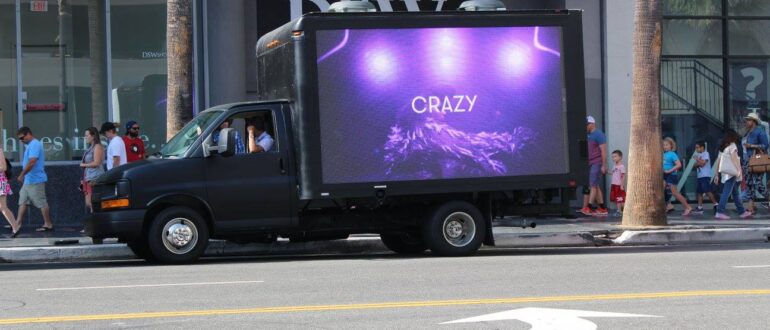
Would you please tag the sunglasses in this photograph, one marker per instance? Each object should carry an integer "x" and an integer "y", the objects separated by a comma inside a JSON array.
[
  {"x": 21, "y": 137},
  {"x": 135, "y": 128}
]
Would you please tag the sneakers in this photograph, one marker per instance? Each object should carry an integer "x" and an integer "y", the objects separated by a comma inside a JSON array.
[
  {"x": 698, "y": 211},
  {"x": 587, "y": 211},
  {"x": 618, "y": 214},
  {"x": 601, "y": 211},
  {"x": 723, "y": 216},
  {"x": 746, "y": 214},
  {"x": 669, "y": 208}
]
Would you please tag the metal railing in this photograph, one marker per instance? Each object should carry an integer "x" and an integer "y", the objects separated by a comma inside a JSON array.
[{"x": 689, "y": 86}]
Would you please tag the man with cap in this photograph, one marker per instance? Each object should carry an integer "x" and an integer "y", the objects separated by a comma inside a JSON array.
[
  {"x": 134, "y": 143},
  {"x": 755, "y": 141},
  {"x": 597, "y": 160},
  {"x": 116, "y": 149}
]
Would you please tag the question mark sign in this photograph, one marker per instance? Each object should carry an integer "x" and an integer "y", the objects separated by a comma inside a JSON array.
[{"x": 756, "y": 78}]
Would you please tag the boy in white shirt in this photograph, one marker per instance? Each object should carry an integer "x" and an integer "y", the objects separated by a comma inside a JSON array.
[
  {"x": 703, "y": 164},
  {"x": 116, "y": 149}
]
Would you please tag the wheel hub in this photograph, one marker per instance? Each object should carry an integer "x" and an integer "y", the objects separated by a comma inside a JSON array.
[
  {"x": 459, "y": 229},
  {"x": 180, "y": 236}
]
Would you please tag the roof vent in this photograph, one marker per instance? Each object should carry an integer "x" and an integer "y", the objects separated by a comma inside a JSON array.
[
  {"x": 352, "y": 6},
  {"x": 482, "y": 5}
]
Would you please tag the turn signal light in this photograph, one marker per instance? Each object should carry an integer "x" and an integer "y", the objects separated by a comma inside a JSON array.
[{"x": 115, "y": 203}]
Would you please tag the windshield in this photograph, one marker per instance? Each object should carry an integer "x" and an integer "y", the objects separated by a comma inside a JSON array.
[{"x": 182, "y": 141}]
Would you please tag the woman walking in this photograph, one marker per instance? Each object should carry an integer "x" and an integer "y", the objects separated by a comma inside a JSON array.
[
  {"x": 671, "y": 165},
  {"x": 755, "y": 142},
  {"x": 92, "y": 163},
  {"x": 730, "y": 172},
  {"x": 5, "y": 191}
]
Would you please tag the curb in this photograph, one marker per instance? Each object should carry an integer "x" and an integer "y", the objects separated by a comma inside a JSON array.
[
  {"x": 544, "y": 240},
  {"x": 694, "y": 236}
]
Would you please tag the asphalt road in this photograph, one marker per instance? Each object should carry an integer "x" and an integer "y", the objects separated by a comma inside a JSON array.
[{"x": 713, "y": 287}]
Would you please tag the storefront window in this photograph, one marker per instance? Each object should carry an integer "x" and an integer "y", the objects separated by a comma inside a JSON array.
[
  {"x": 748, "y": 8},
  {"x": 692, "y": 8},
  {"x": 692, "y": 37},
  {"x": 749, "y": 37},
  {"x": 139, "y": 77}
]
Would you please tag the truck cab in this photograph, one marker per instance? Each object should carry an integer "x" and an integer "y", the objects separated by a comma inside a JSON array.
[{"x": 180, "y": 190}]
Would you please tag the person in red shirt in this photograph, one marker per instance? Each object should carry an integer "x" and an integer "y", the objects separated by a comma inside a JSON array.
[{"x": 134, "y": 143}]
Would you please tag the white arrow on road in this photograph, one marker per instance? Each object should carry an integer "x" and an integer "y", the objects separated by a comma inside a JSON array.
[{"x": 548, "y": 318}]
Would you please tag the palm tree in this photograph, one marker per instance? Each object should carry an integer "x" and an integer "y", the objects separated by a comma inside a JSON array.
[
  {"x": 179, "y": 55},
  {"x": 644, "y": 206},
  {"x": 96, "y": 46}
]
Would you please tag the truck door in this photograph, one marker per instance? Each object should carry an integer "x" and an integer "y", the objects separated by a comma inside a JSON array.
[{"x": 251, "y": 191}]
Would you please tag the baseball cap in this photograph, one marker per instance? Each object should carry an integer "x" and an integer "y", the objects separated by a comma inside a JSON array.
[
  {"x": 591, "y": 120},
  {"x": 129, "y": 124}
]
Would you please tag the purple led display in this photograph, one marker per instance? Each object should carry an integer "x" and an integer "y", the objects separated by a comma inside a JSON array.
[{"x": 441, "y": 103}]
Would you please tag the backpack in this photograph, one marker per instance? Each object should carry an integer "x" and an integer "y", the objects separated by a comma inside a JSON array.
[{"x": 8, "y": 167}]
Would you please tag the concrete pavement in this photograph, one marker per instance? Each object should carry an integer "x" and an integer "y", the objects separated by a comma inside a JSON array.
[{"x": 67, "y": 244}]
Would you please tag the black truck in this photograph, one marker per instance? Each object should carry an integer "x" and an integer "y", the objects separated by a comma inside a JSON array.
[{"x": 420, "y": 127}]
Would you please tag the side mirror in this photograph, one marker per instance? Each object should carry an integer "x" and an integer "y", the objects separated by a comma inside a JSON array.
[{"x": 226, "y": 146}]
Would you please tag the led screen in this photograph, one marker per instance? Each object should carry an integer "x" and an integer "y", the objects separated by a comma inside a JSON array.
[{"x": 440, "y": 103}]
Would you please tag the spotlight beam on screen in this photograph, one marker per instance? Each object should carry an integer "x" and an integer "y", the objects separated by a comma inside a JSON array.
[
  {"x": 338, "y": 47},
  {"x": 540, "y": 46}
]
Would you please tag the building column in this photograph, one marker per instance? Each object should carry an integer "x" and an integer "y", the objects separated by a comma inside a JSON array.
[
  {"x": 226, "y": 51},
  {"x": 619, "y": 42}
]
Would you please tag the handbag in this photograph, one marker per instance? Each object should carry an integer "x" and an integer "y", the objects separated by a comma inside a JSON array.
[
  {"x": 726, "y": 165},
  {"x": 759, "y": 162}
]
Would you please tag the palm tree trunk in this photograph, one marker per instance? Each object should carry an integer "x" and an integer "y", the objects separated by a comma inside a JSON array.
[
  {"x": 644, "y": 203},
  {"x": 179, "y": 44},
  {"x": 98, "y": 63}
]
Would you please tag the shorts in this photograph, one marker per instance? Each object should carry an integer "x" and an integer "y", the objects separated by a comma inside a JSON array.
[
  {"x": 617, "y": 194},
  {"x": 33, "y": 193},
  {"x": 704, "y": 185},
  {"x": 595, "y": 175},
  {"x": 671, "y": 179}
]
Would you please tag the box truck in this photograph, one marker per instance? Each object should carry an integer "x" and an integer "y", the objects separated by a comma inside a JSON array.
[{"x": 419, "y": 127}]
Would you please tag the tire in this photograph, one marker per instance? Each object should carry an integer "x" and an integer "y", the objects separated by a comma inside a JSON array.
[
  {"x": 141, "y": 249},
  {"x": 404, "y": 243},
  {"x": 454, "y": 229},
  {"x": 178, "y": 235}
]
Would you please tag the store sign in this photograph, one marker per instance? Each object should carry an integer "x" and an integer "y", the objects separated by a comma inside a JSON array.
[{"x": 38, "y": 5}]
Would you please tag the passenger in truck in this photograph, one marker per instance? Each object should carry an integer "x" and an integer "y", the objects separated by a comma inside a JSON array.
[
  {"x": 259, "y": 140},
  {"x": 240, "y": 148}
]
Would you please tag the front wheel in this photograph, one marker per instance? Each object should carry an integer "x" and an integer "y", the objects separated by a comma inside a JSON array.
[
  {"x": 178, "y": 235},
  {"x": 454, "y": 229}
]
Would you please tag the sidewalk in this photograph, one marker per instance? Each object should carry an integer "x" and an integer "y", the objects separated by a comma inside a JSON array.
[{"x": 67, "y": 244}]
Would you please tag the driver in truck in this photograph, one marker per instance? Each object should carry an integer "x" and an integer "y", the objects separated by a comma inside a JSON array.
[{"x": 259, "y": 140}]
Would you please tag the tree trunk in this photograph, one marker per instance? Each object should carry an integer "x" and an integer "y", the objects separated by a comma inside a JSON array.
[
  {"x": 644, "y": 203},
  {"x": 179, "y": 55},
  {"x": 96, "y": 46}
]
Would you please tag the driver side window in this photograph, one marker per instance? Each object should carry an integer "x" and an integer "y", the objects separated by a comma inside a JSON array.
[{"x": 253, "y": 132}]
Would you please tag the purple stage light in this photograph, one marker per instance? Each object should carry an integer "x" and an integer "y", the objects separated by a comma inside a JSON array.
[
  {"x": 380, "y": 65},
  {"x": 515, "y": 59},
  {"x": 445, "y": 60}
]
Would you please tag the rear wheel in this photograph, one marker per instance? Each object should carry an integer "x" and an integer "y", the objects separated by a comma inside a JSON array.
[
  {"x": 141, "y": 249},
  {"x": 454, "y": 229},
  {"x": 178, "y": 235},
  {"x": 404, "y": 243}
]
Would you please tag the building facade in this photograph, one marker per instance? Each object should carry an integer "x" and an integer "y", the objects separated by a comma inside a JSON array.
[{"x": 66, "y": 65}]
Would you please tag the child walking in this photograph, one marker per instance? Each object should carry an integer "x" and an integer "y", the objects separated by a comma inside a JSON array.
[
  {"x": 703, "y": 163},
  {"x": 617, "y": 191},
  {"x": 671, "y": 166}
]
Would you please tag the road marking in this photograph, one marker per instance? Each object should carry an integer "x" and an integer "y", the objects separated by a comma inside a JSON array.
[
  {"x": 757, "y": 266},
  {"x": 385, "y": 305},
  {"x": 547, "y": 318},
  {"x": 146, "y": 285}
]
